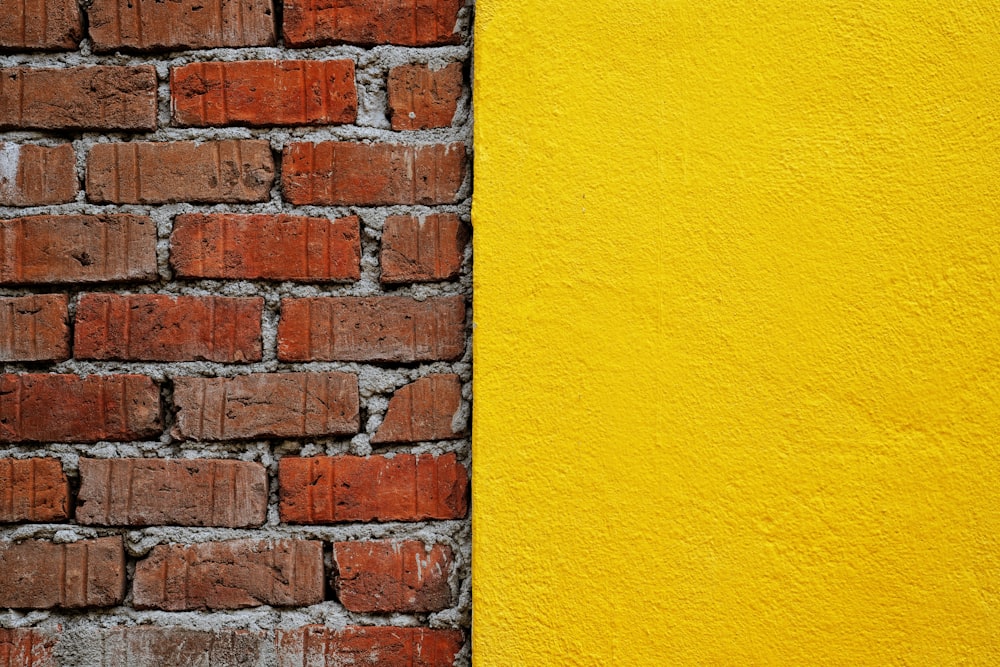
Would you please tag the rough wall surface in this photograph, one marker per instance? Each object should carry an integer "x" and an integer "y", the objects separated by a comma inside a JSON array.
[
  {"x": 737, "y": 344},
  {"x": 203, "y": 331}
]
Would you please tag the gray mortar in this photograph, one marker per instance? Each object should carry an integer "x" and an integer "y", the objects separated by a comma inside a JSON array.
[{"x": 81, "y": 644}]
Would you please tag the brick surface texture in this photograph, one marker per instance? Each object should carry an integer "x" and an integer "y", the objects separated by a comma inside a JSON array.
[
  {"x": 168, "y": 328},
  {"x": 389, "y": 576},
  {"x": 230, "y": 575},
  {"x": 32, "y": 175},
  {"x": 235, "y": 274},
  {"x": 90, "y": 98},
  {"x": 34, "y": 328},
  {"x": 331, "y": 489},
  {"x": 33, "y": 490}
]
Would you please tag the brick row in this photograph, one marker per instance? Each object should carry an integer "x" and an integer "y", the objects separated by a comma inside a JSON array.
[
  {"x": 234, "y": 494},
  {"x": 308, "y": 645}
]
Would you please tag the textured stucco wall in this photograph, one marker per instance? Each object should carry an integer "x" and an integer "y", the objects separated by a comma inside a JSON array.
[{"x": 737, "y": 349}]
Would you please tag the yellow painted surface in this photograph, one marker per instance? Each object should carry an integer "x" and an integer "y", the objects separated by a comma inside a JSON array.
[{"x": 738, "y": 333}]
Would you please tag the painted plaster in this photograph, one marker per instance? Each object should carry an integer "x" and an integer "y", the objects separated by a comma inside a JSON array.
[{"x": 737, "y": 333}]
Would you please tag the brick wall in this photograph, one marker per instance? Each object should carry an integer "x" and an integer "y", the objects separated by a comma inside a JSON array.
[{"x": 234, "y": 327}]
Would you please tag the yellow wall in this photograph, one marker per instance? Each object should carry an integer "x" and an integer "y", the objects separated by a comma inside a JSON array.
[{"x": 737, "y": 353}]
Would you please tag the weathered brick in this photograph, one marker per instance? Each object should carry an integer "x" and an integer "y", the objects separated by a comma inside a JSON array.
[
  {"x": 386, "y": 576},
  {"x": 41, "y": 407},
  {"x": 271, "y": 247},
  {"x": 269, "y": 92},
  {"x": 145, "y": 645},
  {"x": 330, "y": 489},
  {"x": 230, "y": 575},
  {"x": 32, "y": 175},
  {"x": 34, "y": 328},
  {"x": 370, "y": 22},
  {"x": 77, "y": 249},
  {"x": 43, "y": 575},
  {"x": 386, "y": 646},
  {"x": 33, "y": 490},
  {"x": 149, "y": 492},
  {"x": 421, "y": 249},
  {"x": 79, "y": 98},
  {"x": 227, "y": 171},
  {"x": 421, "y": 98},
  {"x": 151, "y": 25},
  {"x": 283, "y": 405},
  {"x": 43, "y": 25},
  {"x": 343, "y": 173},
  {"x": 27, "y": 647},
  {"x": 386, "y": 328},
  {"x": 162, "y": 327},
  {"x": 427, "y": 409}
]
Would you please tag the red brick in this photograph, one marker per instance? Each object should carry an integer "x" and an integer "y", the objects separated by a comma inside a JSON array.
[
  {"x": 269, "y": 92},
  {"x": 60, "y": 27},
  {"x": 77, "y": 249},
  {"x": 421, "y": 98},
  {"x": 33, "y": 175},
  {"x": 33, "y": 490},
  {"x": 27, "y": 647},
  {"x": 282, "y": 405},
  {"x": 152, "y": 25},
  {"x": 386, "y": 328},
  {"x": 43, "y": 575},
  {"x": 269, "y": 247},
  {"x": 227, "y": 171},
  {"x": 34, "y": 328},
  {"x": 40, "y": 407},
  {"x": 149, "y": 492},
  {"x": 427, "y": 409},
  {"x": 331, "y": 489},
  {"x": 385, "y": 646},
  {"x": 343, "y": 174},
  {"x": 230, "y": 575},
  {"x": 162, "y": 327},
  {"x": 370, "y": 22},
  {"x": 389, "y": 576},
  {"x": 79, "y": 98},
  {"x": 422, "y": 249},
  {"x": 179, "y": 646}
]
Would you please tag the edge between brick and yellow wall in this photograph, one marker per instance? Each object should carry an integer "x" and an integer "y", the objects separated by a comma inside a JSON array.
[{"x": 737, "y": 343}]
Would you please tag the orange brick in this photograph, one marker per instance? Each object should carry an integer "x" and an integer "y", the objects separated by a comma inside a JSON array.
[
  {"x": 385, "y": 646},
  {"x": 20, "y": 30},
  {"x": 33, "y": 490},
  {"x": 33, "y": 175},
  {"x": 427, "y": 409},
  {"x": 41, "y": 407},
  {"x": 421, "y": 98},
  {"x": 421, "y": 249},
  {"x": 79, "y": 98},
  {"x": 153, "y": 25},
  {"x": 343, "y": 173},
  {"x": 43, "y": 575},
  {"x": 331, "y": 489},
  {"x": 370, "y": 22},
  {"x": 263, "y": 405},
  {"x": 230, "y": 575},
  {"x": 387, "y": 576},
  {"x": 150, "y": 492},
  {"x": 77, "y": 249},
  {"x": 161, "y": 327},
  {"x": 27, "y": 647},
  {"x": 387, "y": 328},
  {"x": 227, "y": 171},
  {"x": 34, "y": 328},
  {"x": 272, "y": 247},
  {"x": 257, "y": 93}
]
